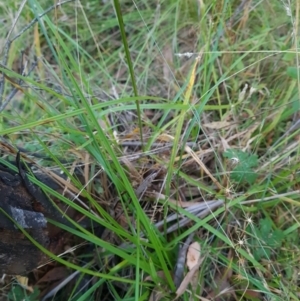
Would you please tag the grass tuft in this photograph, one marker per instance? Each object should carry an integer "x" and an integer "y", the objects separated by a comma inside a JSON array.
[{"x": 173, "y": 122}]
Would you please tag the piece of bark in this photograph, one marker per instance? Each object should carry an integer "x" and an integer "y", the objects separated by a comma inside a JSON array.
[
  {"x": 25, "y": 205},
  {"x": 17, "y": 254},
  {"x": 19, "y": 208}
]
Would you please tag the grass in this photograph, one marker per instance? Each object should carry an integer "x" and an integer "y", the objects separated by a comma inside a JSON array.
[{"x": 217, "y": 85}]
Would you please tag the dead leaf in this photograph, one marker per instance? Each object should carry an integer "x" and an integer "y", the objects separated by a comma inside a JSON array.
[
  {"x": 189, "y": 278},
  {"x": 251, "y": 294},
  {"x": 160, "y": 274},
  {"x": 193, "y": 262},
  {"x": 181, "y": 260},
  {"x": 223, "y": 292},
  {"x": 23, "y": 281},
  {"x": 156, "y": 294},
  {"x": 193, "y": 255},
  {"x": 223, "y": 289},
  {"x": 54, "y": 274}
]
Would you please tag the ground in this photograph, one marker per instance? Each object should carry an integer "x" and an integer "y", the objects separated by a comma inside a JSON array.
[{"x": 175, "y": 124}]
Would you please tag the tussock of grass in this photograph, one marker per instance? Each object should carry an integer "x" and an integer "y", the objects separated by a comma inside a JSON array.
[{"x": 210, "y": 89}]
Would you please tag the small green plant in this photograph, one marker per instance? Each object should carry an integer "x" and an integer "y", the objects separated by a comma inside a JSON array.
[
  {"x": 244, "y": 163},
  {"x": 292, "y": 72},
  {"x": 265, "y": 239},
  {"x": 18, "y": 293}
]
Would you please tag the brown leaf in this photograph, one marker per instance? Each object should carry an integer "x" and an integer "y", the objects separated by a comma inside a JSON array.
[
  {"x": 193, "y": 255},
  {"x": 189, "y": 278},
  {"x": 193, "y": 262},
  {"x": 23, "y": 281},
  {"x": 160, "y": 274},
  {"x": 54, "y": 275},
  {"x": 156, "y": 294}
]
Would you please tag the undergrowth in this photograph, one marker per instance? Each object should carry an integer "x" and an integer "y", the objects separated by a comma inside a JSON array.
[{"x": 174, "y": 122}]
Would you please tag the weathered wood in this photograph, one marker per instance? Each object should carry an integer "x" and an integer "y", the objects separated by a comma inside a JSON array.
[
  {"x": 17, "y": 254},
  {"x": 23, "y": 204}
]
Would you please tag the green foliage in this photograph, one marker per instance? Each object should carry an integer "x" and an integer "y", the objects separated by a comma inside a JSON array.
[
  {"x": 18, "y": 293},
  {"x": 243, "y": 171},
  {"x": 265, "y": 239},
  {"x": 292, "y": 72}
]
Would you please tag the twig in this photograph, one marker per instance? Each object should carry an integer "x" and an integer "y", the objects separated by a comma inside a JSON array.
[{"x": 144, "y": 185}]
